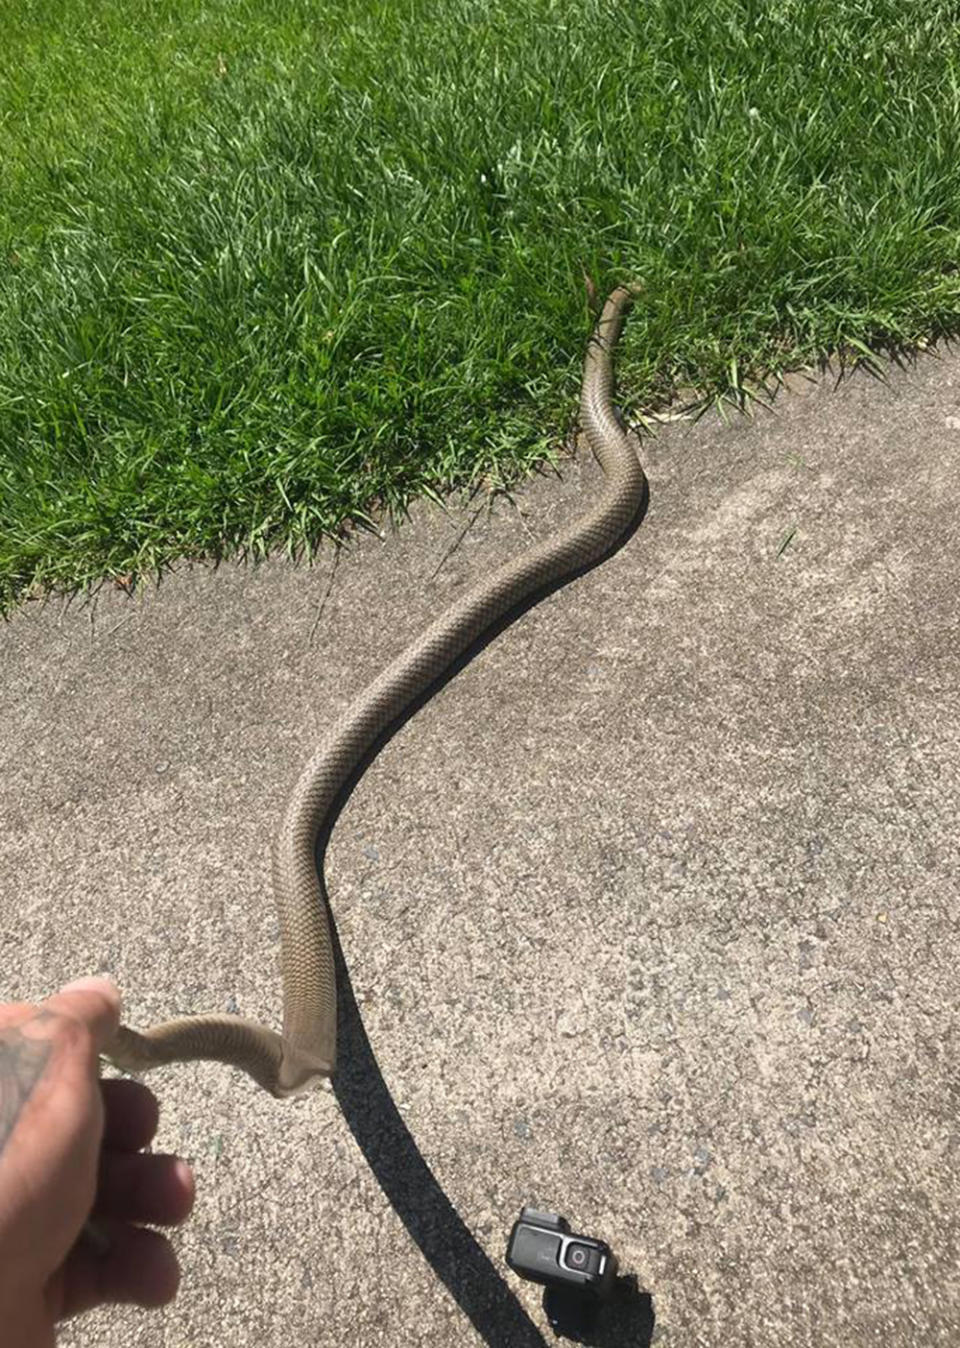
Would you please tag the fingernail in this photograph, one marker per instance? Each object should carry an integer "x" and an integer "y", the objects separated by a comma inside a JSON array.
[{"x": 184, "y": 1174}]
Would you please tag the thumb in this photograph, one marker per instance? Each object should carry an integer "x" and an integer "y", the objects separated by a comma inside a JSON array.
[{"x": 95, "y": 1002}]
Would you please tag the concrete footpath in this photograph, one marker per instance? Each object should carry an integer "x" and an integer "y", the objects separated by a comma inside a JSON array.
[{"x": 650, "y": 915}]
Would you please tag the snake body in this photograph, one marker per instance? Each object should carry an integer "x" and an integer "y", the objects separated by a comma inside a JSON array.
[{"x": 307, "y": 1049}]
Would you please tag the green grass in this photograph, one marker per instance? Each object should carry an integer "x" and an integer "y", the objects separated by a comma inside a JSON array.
[{"x": 267, "y": 268}]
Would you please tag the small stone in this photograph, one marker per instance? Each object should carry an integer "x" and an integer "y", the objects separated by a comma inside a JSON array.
[{"x": 572, "y": 1023}]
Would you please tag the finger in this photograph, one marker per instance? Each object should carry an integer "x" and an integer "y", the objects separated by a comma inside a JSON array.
[
  {"x": 95, "y": 1002},
  {"x": 13, "y": 1014},
  {"x": 134, "y": 1187},
  {"x": 139, "y": 1267},
  {"x": 132, "y": 1113}
]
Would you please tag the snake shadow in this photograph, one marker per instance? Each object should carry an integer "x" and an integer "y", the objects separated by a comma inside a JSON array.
[
  {"x": 411, "y": 1187},
  {"x": 377, "y": 1126}
]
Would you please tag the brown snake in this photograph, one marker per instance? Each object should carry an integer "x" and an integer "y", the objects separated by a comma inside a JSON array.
[{"x": 307, "y": 1049}]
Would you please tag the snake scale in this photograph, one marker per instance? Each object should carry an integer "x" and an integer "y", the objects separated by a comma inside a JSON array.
[{"x": 307, "y": 1049}]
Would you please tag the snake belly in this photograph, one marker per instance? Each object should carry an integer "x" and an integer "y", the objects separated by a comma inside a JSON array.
[{"x": 306, "y": 1051}]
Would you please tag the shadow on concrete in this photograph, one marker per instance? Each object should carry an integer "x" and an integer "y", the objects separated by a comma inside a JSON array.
[
  {"x": 625, "y": 1321},
  {"x": 430, "y": 1218},
  {"x": 376, "y": 1124},
  {"x": 412, "y": 1188}
]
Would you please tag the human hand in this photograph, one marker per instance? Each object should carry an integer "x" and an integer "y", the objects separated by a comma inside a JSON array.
[{"x": 71, "y": 1150}]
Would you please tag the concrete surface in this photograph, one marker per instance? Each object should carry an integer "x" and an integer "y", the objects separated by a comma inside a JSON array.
[{"x": 651, "y": 913}]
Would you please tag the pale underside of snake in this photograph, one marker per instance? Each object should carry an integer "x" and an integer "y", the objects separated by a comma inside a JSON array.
[{"x": 306, "y": 1051}]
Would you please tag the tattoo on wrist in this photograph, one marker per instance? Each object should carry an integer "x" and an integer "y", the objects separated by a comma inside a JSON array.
[{"x": 22, "y": 1062}]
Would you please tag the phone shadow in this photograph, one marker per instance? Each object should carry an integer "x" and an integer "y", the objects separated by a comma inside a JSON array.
[
  {"x": 626, "y": 1320},
  {"x": 629, "y": 1321}
]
